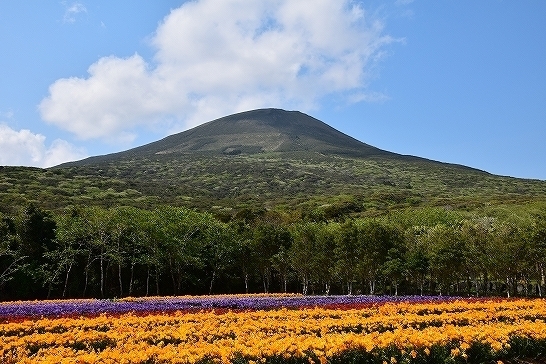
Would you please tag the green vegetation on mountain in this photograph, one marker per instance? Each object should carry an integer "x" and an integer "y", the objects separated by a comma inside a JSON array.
[
  {"x": 272, "y": 181},
  {"x": 270, "y": 159}
]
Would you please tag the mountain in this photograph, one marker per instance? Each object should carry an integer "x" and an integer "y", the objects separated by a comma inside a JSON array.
[
  {"x": 257, "y": 132},
  {"x": 267, "y": 158},
  {"x": 253, "y": 132}
]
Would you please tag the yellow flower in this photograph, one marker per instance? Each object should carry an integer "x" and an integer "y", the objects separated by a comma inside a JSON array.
[
  {"x": 427, "y": 351},
  {"x": 191, "y": 337}
]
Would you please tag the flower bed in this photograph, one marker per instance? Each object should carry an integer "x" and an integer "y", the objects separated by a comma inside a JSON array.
[
  {"x": 92, "y": 307},
  {"x": 401, "y": 330}
]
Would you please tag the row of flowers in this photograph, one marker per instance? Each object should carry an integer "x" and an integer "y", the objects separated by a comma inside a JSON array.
[
  {"x": 392, "y": 332},
  {"x": 61, "y": 308}
]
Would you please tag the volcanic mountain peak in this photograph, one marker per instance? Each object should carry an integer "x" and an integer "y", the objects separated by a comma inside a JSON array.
[
  {"x": 263, "y": 130},
  {"x": 252, "y": 132}
]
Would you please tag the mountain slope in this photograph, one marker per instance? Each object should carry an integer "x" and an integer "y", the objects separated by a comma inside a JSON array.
[
  {"x": 265, "y": 158},
  {"x": 252, "y": 132},
  {"x": 267, "y": 130}
]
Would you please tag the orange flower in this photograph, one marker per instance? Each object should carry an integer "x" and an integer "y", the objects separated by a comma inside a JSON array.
[{"x": 191, "y": 337}]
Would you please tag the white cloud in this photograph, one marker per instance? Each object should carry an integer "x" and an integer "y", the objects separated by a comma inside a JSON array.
[
  {"x": 24, "y": 148},
  {"x": 214, "y": 58},
  {"x": 72, "y": 10},
  {"x": 118, "y": 92},
  {"x": 61, "y": 151}
]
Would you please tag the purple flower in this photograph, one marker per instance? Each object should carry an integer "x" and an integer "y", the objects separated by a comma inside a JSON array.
[{"x": 170, "y": 304}]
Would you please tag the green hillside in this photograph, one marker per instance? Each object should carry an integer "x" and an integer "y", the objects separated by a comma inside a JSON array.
[{"x": 269, "y": 158}]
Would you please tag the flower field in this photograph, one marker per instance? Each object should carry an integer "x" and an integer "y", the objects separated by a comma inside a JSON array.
[{"x": 273, "y": 329}]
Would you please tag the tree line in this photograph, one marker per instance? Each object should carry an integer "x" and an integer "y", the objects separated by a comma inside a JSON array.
[{"x": 126, "y": 251}]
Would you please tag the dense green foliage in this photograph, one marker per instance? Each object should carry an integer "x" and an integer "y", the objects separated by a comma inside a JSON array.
[
  {"x": 329, "y": 185},
  {"x": 99, "y": 252}
]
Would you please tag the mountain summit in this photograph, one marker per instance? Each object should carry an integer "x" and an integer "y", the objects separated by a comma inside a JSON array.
[
  {"x": 252, "y": 132},
  {"x": 263, "y": 130}
]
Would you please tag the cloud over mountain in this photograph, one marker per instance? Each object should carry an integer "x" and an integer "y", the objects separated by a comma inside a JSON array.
[
  {"x": 24, "y": 148},
  {"x": 215, "y": 58}
]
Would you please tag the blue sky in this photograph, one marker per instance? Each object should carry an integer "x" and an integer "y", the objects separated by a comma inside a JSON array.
[{"x": 456, "y": 81}]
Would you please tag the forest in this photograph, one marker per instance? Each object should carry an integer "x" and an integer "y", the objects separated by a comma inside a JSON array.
[{"x": 117, "y": 252}]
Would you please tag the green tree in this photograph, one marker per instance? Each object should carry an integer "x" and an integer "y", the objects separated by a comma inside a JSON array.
[
  {"x": 153, "y": 250},
  {"x": 129, "y": 241},
  {"x": 511, "y": 256},
  {"x": 394, "y": 267},
  {"x": 181, "y": 233},
  {"x": 11, "y": 261},
  {"x": 36, "y": 235},
  {"x": 73, "y": 236},
  {"x": 417, "y": 257},
  {"x": 375, "y": 240},
  {"x": 477, "y": 234},
  {"x": 243, "y": 252},
  {"x": 537, "y": 249},
  {"x": 303, "y": 253},
  {"x": 218, "y": 250},
  {"x": 447, "y": 256},
  {"x": 281, "y": 262},
  {"x": 267, "y": 240},
  {"x": 98, "y": 249},
  {"x": 347, "y": 254},
  {"x": 324, "y": 253}
]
